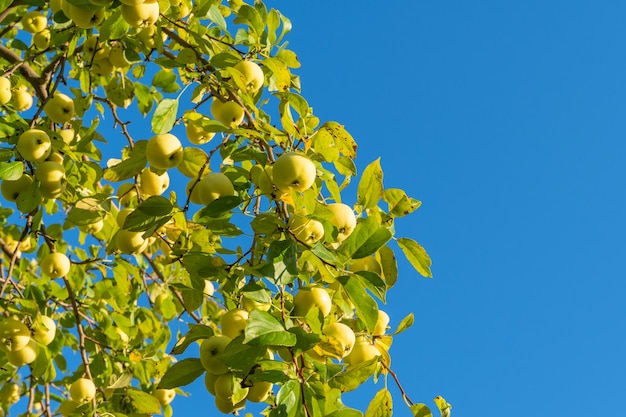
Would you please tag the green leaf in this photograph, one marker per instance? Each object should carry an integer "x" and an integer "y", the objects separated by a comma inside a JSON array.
[
  {"x": 420, "y": 410},
  {"x": 443, "y": 406},
  {"x": 217, "y": 208},
  {"x": 341, "y": 139},
  {"x": 416, "y": 255},
  {"x": 367, "y": 238},
  {"x": 165, "y": 116},
  {"x": 353, "y": 377},
  {"x": 399, "y": 203},
  {"x": 143, "y": 402},
  {"x": 373, "y": 282},
  {"x": 366, "y": 306},
  {"x": 11, "y": 170},
  {"x": 389, "y": 265},
  {"x": 114, "y": 26},
  {"x": 193, "y": 160},
  {"x": 130, "y": 166},
  {"x": 156, "y": 205},
  {"x": 196, "y": 332},
  {"x": 216, "y": 17},
  {"x": 180, "y": 374},
  {"x": 370, "y": 188},
  {"x": 405, "y": 324},
  {"x": 263, "y": 328},
  {"x": 381, "y": 405}
]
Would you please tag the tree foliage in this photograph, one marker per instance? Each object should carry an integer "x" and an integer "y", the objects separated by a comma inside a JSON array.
[{"x": 213, "y": 237}]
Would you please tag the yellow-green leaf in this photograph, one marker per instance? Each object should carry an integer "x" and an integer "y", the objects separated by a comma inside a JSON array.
[
  {"x": 381, "y": 405},
  {"x": 417, "y": 255},
  {"x": 370, "y": 188}
]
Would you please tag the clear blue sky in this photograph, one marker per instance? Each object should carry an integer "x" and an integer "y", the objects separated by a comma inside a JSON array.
[{"x": 507, "y": 119}]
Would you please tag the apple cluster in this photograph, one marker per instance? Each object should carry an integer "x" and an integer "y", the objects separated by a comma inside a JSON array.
[{"x": 20, "y": 344}]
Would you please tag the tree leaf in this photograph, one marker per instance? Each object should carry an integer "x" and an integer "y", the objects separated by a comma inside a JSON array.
[
  {"x": 370, "y": 188},
  {"x": 420, "y": 410},
  {"x": 416, "y": 255},
  {"x": 181, "y": 373},
  {"x": 193, "y": 160},
  {"x": 399, "y": 203},
  {"x": 381, "y": 405},
  {"x": 216, "y": 17},
  {"x": 130, "y": 166},
  {"x": 405, "y": 324},
  {"x": 156, "y": 205},
  {"x": 367, "y": 238},
  {"x": 165, "y": 116},
  {"x": 264, "y": 328},
  {"x": 11, "y": 170},
  {"x": 366, "y": 307},
  {"x": 143, "y": 402}
]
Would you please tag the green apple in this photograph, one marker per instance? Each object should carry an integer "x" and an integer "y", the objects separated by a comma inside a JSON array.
[
  {"x": 14, "y": 335},
  {"x": 165, "y": 396},
  {"x": 362, "y": 351},
  {"x": 140, "y": 15},
  {"x": 92, "y": 228},
  {"x": 41, "y": 40},
  {"x": 307, "y": 231},
  {"x": 51, "y": 176},
  {"x": 132, "y": 2},
  {"x": 131, "y": 242},
  {"x": 340, "y": 342},
  {"x": 5, "y": 90},
  {"x": 249, "y": 304},
  {"x": 55, "y": 265},
  {"x": 44, "y": 330},
  {"x": 164, "y": 151},
  {"x": 343, "y": 219},
  {"x": 67, "y": 135},
  {"x": 91, "y": 46},
  {"x": 117, "y": 56},
  {"x": 252, "y": 75},
  {"x": 10, "y": 393},
  {"x": 86, "y": 18},
  {"x": 211, "y": 350},
  {"x": 195, "y": 193},
  {"x": 226, "y": 385},
  {"x": 234, "y": 323},
  {"x": 22, "y": 99},
  {"x": 56, "y": 6},
  {"x": 34, "y": 22},
  {"x": 34, "y": 145},
  {"x": 148, "y": 36},
  {"x": 214, "y": 186},
  {"x": 60, "y": 108},
  {"x": 293, "y": 171},
  {"x": 127, "y": 194},
  {"x": 184, "y": 8},
  {"x": 82, "y": 390},
  {"x": 259, "y": 391},
  {"x": 25, "y": 355},
  {"x": 195, "y": 131},
  {"x": 228, "y": 113},
  {"x": 369, "y": 263},
  {"x": 227, "y": 407},
  {"x": 11, "y": 189},
  {"x": 102, "y": 66},
  {"x": 209, "y": 382},
  {"x": 308, "y": 297},
  {"x": 56, "y": 157},
  {"x": 381, "y": 324},
  {"x": 152, "y": 183}
]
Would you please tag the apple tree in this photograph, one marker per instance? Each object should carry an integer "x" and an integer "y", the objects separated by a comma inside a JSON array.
[{"x": 215, "y": 238}]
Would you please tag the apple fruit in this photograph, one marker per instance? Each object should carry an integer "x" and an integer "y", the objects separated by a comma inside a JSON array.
[
  {"x": 307, "y": 231},
  {"x": 34, "y": 145},
  {"x": 142, "y": 14},
  {"x": 82, "y": 390},
  {"x": 209, "y": 382},
  {"x": 122, "y": 215},
  {"x": 11, "y": 189},
  {"x": 86, "y": 18},
  {"x": 90, "y": 47},
  {"x": 226, "y": 385},
  {"x": 132, "y": 2},
  {"x": 41, "y": 40},
  {"x": 369, "y": 263},
  {"x": 209, "y": 289},
  {"x": 56, "y": 157},
  {"x": 227, "y": 407},
  {"x": 309, "y": 297},
  {"x": 341, "y": 340},
  {"x": 127, "y": 194},
  {"x": 259, "y": 391},
  {"x": 152, "y": 183},
  {"x": 10, "y": 393},
  {"x": 381, "y": 324},
  {"x": 117, "y": 56},
  {"x": 228, "y": 113},
  {"x": 214, "y": 186},
  {"x": 234, "y": 322},
  {"x": 22, "y": 99},
  {"x": 56, "y": 6},
  {"x": 148, "y": 36},
  {"x": 44, "y": 330},
  {"x": 165, "y": 396},
  {"x": 25, "y": 355},
  {"x": 164, "y": 151},
  {"x": 195, "y": 193},
  {"x": 293, "y": 171},
  {"x": 14, "y": 335},
  {"x": 211, "y": 350},
  {"x": 252, "y": 74},
  {"x": 67, "y": 135},
  {"x": 249, "y": 304},
  {"x": 131, "y": 242},
  {"x": 5, "y": 90},
  {"x": 67, "y": 407},
  {"x": 60, "y": 108},
  {"x": 343, "y": 219},
  {"x": 34, "y": 22},
  {"x": 92, "y": 228},
  {"x": 362, "y": 351},
  {"x": 195, "y": 132},
  {"x": 51, "y": 176},
  {"x": 55, "y": 265},
  {"x": 183, "y": 8}
]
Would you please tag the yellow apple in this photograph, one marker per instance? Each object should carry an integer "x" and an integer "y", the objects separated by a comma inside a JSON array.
[
  {"x": 165, "y": 396},
  {"x": 56, "y": 157},
  {"x": 308, "y": 297},
  {"x": 164, "y": 151},
  {"x": 67, "y": 135},
  {"x": 341, "y": 340},
  {"x": 252, "y": 75},
  {"x": 369, "y": 263},
  {"x": 11, "y": 189},
  {"x": 44, "y": 330},
  {"x": 82, "y": 390},
  {"x": 148, "y": 36},
  {"x": 152, "y": 183},
  {"x": 127, "y": 194},
  {"x": 234, "y": 323},
  {"x": 381, "y": 324},
  {"x": 259, "y": 391},
  {"x": 56, "y": 6},
  {"x": 51, "y": 176},
  {"x": 22, "y": 99},
  {"x": 5, "y": 90},
  {"x": 117, "y": 57},
  {"x": 14, "y": 335},
  {"x": 10, "y": 393},
  {"x": 196, "y": 133},
  {"x": 362, "y": 351},
  {"x": 140, "y": 15},
  {"x": 183, "y": 8},
  {"x": 25, "y": 355},
  {"x": 102, "y": 66},
  {"x": 55, "y": 265},
  {"x": 226, "y": 385},
  {"x": 195, "y": 193},
  {"x": 293, "y": 171},
  {"x": 307, "y": 231},
  {"x": 343, "y": 219},
  {"x": 85, "y": 18},
  {"x": 228, "y": 113},
  {"x": 131, "y": 2},
  {"x": 249, "y": 304},
  {"x": 92, "y": 228},
  {"x": 214, "y": 186},
  {"x": 34, "y": 145},
  {"x": 34, "y": 22},
  {"x": 227, "y": 407},
  {"x": 60, "y": 108},
  {"x": 131, "y": 242},
  {"x": 211, "y": 351},
  {"x": 209, "y": 382},
  {"x": 41, "y": 40}
]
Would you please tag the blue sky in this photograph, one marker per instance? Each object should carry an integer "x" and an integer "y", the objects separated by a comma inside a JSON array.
[{"x": 507, "y": 120}]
